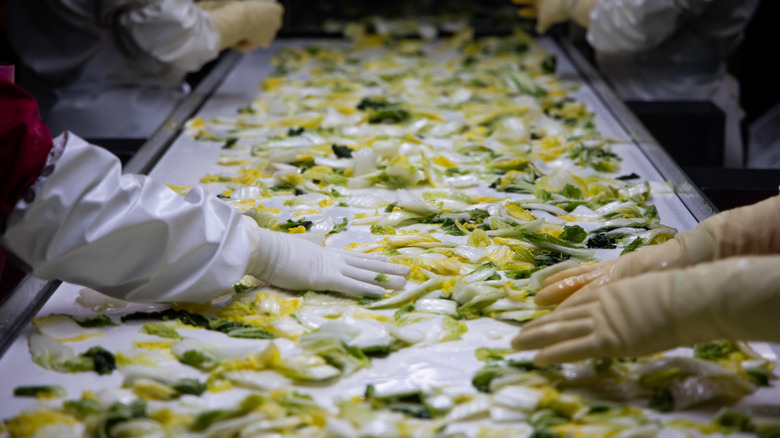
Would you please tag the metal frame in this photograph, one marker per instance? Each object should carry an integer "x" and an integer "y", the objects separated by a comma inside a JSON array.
[
  {"x": 21, "y": 306},
  {"x": 26, "y": 299},
  {"x": 698, "y": 205}
]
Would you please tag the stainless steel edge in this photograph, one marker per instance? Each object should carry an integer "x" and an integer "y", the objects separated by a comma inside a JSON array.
[
  {"x": 20, "y": 307},
  {"x": 688, "y": 193},
  {"x": 27, "y": 298}
]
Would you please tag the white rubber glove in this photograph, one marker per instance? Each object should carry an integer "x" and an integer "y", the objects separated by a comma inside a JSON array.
[
  {"x": 135, "y": 239},
  {"x": 551, "y": 12},
  {"x": 736, "y": 298},
  {"x": 746, "y": 230},
  {"x": 247, "y": 25},
  {"x": 290, "y": 262}
]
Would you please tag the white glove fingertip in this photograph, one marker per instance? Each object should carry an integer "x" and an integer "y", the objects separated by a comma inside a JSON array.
[
  {"x": 356, "y": 288},
  {"x": 401, "y": 270}
]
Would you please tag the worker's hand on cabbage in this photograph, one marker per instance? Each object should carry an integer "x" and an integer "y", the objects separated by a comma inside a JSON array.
[
  {"x": 551, "y": 12},
  {"x": 719, "y": 280},
  {"x": 736, "y": 298},
  {"x": 291, "y": 262},
  {"x": 69, "y": 213},
  {"x": 747, "y": 230},
  {"x": 133, "y": 238},
  {"x": 246, "y": 25}
]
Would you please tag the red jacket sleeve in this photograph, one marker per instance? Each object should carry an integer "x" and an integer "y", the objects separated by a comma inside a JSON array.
[{"x": 25, "y": 142}]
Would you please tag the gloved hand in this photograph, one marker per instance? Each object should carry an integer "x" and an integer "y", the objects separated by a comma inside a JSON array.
[
  {"x": 135, "y": 239},
  {"x": 741, "y": 231},
  {"x": 735, "y": 298},
  {"x": 550, "y": 12},
  {"x": 247, "y": 25},
  {"x": 290, "y": 262}
]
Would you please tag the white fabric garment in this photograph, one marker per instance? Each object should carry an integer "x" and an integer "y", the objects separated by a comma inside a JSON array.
[
  {"x": 674, "y": 50},
  {"x": 127, "y": 235},
  {"x": 109, "y": 68}
]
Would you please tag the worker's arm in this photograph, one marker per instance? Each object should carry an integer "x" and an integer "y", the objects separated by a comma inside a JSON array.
[
  {"x": 736, "y": 298},
  {"x": 128, "y": 236},
  {"x": 750, "y": 230}
]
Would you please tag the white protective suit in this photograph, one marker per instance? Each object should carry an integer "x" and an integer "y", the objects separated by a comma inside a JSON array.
[
  {"x": 674, "y": 50},
  {"x": 136, "y": 239},
  {"x": 109, "y": 68}
]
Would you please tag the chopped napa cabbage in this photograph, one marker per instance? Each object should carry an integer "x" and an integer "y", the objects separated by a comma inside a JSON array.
[
  {"x": 479, "y": 239},
  {"x": 52, "y": 355},
  {"x": 365, "y": 161},
  {"x": 165, "y": 329},
  {"x": 40, "y": 391},
  {"x": 473, "y": 308},
  {"x": 420, "y": 240},
  {"x": 369, "y": 335},
  {"x": 546, "y": 241},
  {"x": 65, "y": 328},
  {"x": 443, "y": 307},
  {"x": 483, "y": 272},
  {"x": 685, "y": 382},
  {"x": 306, "y": 367},
  {"x": 426, "y": 328},
  {"x": 538, "y": 277},
  {"x": 473, "y": 409},
  {"x": 47, "y": 423},
  {"x": 336, "y": 353},
  {"x": 398, "y": 218},
  {"x": 206, "y": 356},
  {"x": 365, "y": 201},
  {"x": 470, "y": 253},
  {"x": 518, "y": 398},
  {"x": 264, "y": 219}
]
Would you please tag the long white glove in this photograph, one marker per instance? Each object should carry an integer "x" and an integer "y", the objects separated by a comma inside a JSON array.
[
  {"x": 736, "y": 298},
  {"x": 749, "y": 230},
  {"x": 246, "y": 25},
  {"x": 135, "y": 239}
]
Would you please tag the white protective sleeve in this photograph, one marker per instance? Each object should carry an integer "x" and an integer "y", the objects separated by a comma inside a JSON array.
[
  {"x": 629, "y": 26},
  {"x": 126, "y": 235},
  {"x": 174, "y": 32}
]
